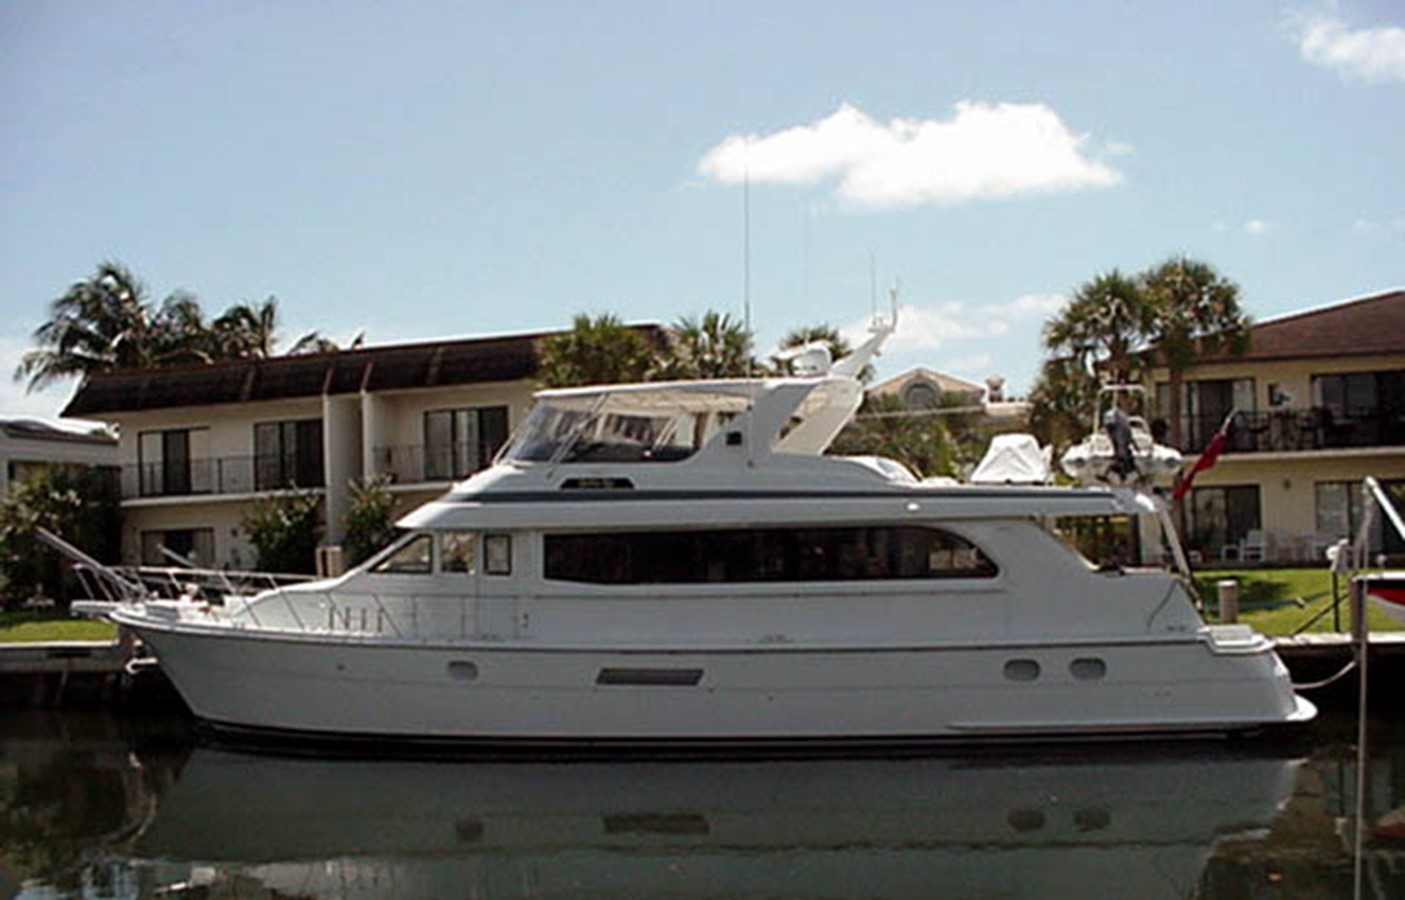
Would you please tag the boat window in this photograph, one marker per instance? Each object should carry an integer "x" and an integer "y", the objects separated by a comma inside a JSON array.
[
  {"x": 456, "y": 551},
  {"x": 497, "y": 554},
  {"x": 868, "y": 553},
  {"x": 582, "y": 436},
  {"x": 413, "y": 558}
]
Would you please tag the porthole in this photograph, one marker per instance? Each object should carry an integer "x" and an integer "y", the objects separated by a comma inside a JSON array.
[
  {"x": 463, "y": 670},
  {"x": 1087, "y": 669},
  {"x": 1092, "y": 818},
  {"x": 1022, "y": 670},
  {"x": 1025, "y": 820}
]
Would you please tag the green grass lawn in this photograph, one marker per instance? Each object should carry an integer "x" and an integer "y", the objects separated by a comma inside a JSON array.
[
  {"x": 1266, "y": 595},
  {"x": 36, "y": 626}
]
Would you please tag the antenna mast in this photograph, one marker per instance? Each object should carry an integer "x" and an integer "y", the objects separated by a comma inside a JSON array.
[{"x": 746, "y": 255}]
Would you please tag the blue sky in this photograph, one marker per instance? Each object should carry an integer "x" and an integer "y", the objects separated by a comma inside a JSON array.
[{"x": 424, "y": 170}]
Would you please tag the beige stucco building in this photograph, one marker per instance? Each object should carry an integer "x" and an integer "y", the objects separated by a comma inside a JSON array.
[
  {"x": 1318, "y": 404},
  {"x": 199, "y": 445},
  {"x": 27, "y": 445}
]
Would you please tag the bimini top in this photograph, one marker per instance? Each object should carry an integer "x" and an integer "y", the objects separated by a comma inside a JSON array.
[{"x": 673, "y": 421}]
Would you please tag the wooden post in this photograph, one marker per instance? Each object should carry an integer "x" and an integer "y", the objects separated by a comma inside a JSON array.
[{"x": 1228, "y": 592}]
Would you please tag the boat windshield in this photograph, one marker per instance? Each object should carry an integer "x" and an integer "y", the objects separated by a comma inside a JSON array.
[{"x": 559, "y": 434}]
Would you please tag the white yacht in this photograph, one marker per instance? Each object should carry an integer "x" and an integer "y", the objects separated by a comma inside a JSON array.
[{"x": 679, "y": 563}]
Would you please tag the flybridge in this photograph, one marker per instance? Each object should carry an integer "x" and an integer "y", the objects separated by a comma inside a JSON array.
[{"x": 673, "y": 421}]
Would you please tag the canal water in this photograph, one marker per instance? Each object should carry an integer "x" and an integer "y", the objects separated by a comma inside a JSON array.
[{"x": 96, "y": 805}]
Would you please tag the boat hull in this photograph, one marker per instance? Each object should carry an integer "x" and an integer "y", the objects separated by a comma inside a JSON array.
[{"x": 494, "y": 693}]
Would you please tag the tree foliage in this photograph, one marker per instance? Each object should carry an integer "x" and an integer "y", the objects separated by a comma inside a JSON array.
[
  {"x": 1118, "y": 325},
  {"x": 1103, "y": 323},
  {"x": 78, "y": 504},
  {"x": 597, "y": 350},
  {"x": 284, "y": 529},
  {"x": 711, "y": 346},
  {"x": 106, "y": 321},
  {"x": 369, "y": 519},
  {"x": 1063, "y": 402},
  {"x": 822, "y": 333},
  {"x": 884, "y": 427},
  {"x": 1196, "y": 311}
]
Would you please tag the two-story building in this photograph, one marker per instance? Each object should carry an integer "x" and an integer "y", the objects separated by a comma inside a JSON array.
[
  {"x": 199, "y": 445},
  {"x": 1318, "y": 404},
  {"x": 27, "y": 445}
]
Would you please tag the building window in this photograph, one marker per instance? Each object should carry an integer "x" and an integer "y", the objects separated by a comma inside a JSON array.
[
  {"x": 1360, "y": 409},
  {"x": 1340, "y": 508},
  {"x": 459, "y": 442},
  {"x": 1204, "y": 407},
  {"x": 288, "y": 454},
  {"x": 194, "y": 545},
  {"x": 876, "y": 553},
  {"x": 175, "y": 461},
  {"x": 1222, "y": 516},
  {"x": 922, "y": 395}
]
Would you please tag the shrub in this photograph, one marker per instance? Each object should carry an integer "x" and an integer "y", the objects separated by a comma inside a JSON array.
[
  {"x": 78, "y": 504},
  {"x": 368, "y": 521},
  {"x": 284, "y": 531}
]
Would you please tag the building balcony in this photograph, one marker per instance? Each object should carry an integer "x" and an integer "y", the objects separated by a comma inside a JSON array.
[
  {"x": 1298, "y": 430},
  {"x": 220, "y": 475}
]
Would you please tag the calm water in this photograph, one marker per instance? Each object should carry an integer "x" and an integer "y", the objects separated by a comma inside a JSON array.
[{"x": 96, "y": 806}]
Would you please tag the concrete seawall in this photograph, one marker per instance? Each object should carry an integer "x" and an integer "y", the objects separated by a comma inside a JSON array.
[{"x": 85, "y": 674}]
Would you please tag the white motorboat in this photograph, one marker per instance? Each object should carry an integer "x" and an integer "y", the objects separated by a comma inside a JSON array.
[
  {"x": 678, "y": 563},
  {"x": 1121, "y": 451}
]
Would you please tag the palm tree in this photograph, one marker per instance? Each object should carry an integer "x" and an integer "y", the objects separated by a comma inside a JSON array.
[
  {"x": 598, "y": 350},
  {"x": 714, "y": 346},
  {"x": 105, "y": 322},
  {"x": 180, "y": 333},
  {"x": 245, "y": 331},
  {"x": 1195, "y": 311},
  {"x": 1063, "y": 402},
  {"x": 102, "y": 322},
  {"x": 1103, "y": 324}
]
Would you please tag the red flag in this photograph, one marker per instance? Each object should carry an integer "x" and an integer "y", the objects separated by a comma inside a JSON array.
[{"x": 1208, "y": 457}]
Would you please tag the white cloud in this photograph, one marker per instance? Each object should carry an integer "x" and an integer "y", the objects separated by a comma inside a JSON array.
[
  {"x": 1377, "y": 226},
  {"x": 938, "y": 327},
  {"x": 983, "y": 151},
  {"x": 1365, "y": 54},
  {"x": 1256, "y": 227}
]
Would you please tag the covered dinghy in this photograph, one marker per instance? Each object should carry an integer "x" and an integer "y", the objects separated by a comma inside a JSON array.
[{"x": 1013, "y": 459}]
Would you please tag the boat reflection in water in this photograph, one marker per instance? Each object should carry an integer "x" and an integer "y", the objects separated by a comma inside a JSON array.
[{"x": 988, "y": 824}]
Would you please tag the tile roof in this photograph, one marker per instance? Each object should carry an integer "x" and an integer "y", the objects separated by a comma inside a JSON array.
[
  {"x": 394, "y": 366},
  {"x": 34, "y": 430},
  {"x": 1368, "y": 326}
]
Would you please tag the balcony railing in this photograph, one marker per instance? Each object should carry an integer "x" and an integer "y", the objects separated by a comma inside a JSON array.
[
  {"x": 418, "y": 463},
  {"x": 220, "y": 475},
  {"x": 1288, "y": 430}
]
